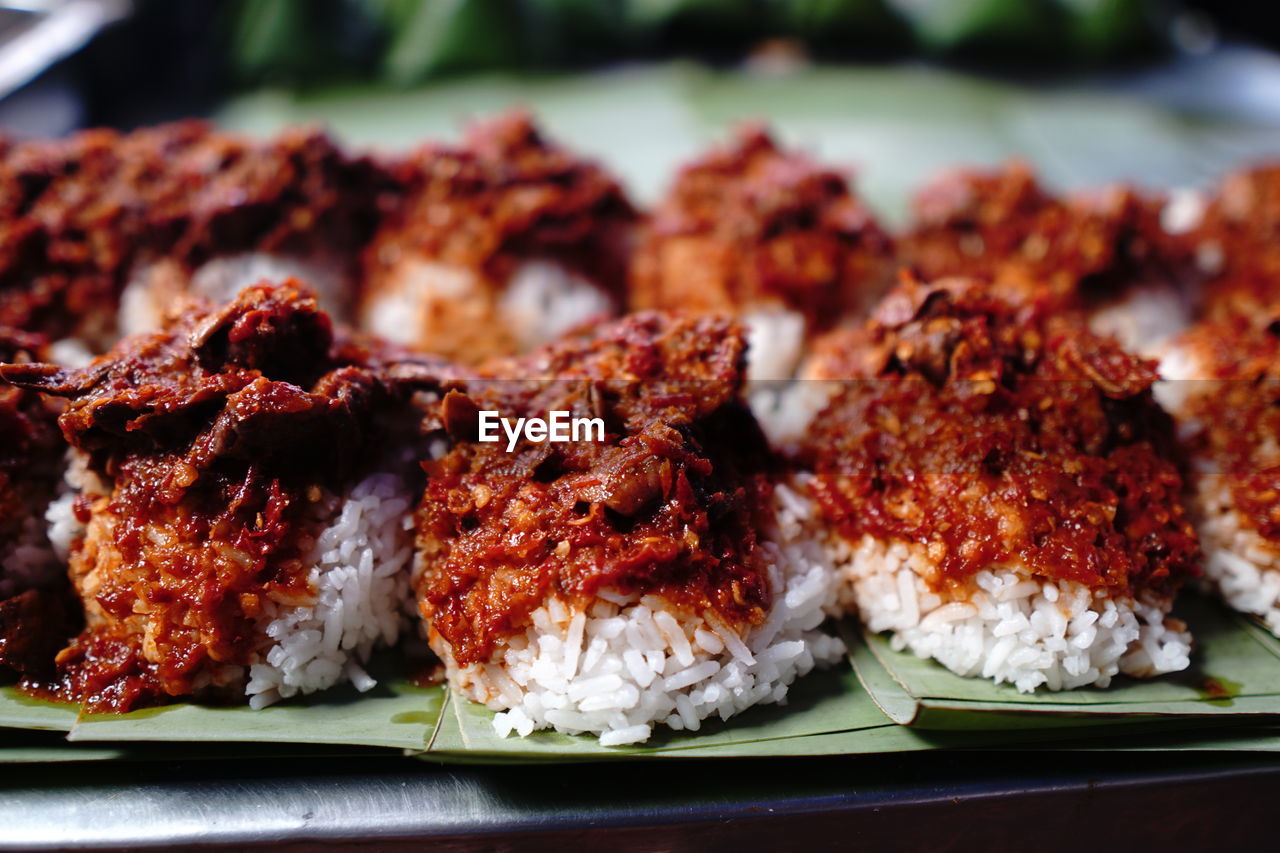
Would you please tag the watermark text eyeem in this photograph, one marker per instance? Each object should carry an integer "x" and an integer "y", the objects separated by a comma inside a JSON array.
[{"x": 559, "y": 425}]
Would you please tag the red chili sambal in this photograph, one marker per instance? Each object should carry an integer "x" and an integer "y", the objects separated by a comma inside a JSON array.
[
  {"x": 209, "y": 451},
  {"x": 666, "y": 503},
  {"x": 994, "y": 432}
]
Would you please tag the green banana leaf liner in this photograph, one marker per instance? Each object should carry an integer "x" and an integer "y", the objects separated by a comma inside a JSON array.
[
  {"x": 1234, "y": 673},
  {"x": 827, "y": 713},
  {"x": 395, "y": 714}
]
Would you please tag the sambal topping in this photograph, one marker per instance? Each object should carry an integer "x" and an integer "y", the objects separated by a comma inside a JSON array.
[
  {"x": 1001, "y": 224},
  {"x": 217, "y": 384},
  {"x": 37, "y": 611},
  {"x": 78, "y": 215},
  {"x": 30, "y": 446},
  {"x": 752, "y": 224},
  {"x": 504, "y": 196},
  {"x": 995, "y": 433},
  {"x": 1237, "y": 245},
  {"x": 219, "y": 442},
  {"x": 34, "y": 625},
  {"x": 1235, "y": 407},
  {"x": 666, "y": 504}
]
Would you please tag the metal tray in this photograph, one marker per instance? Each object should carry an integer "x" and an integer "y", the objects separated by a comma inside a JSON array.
[{"x": 961, "y": 800}]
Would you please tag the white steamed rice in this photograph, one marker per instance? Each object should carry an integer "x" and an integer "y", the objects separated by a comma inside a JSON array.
[
  {"x": 1145, "y": 320},
  {"x": 1242, "y": 566},
  {"x": 775, "y": 342},
  {"x": 626, "y": 663},
  {"x": 150, "y": 292},
  {"x": 361, "y": 582},
  {"x": 1239, "y": 564},
  {"x": 784, "y": 409},
  {"x": 782, "y": 405},
  {"x": 543, "y": 300},
  {"x": 540, "y": 302},
  {"x": 1184, "y": 210},
  {"x": 1011, "y": 627}
]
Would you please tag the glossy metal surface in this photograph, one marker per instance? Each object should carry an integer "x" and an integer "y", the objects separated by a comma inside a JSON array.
[
  {"x": 34, "y": 34},
  {"x": 937, "y": 800}
]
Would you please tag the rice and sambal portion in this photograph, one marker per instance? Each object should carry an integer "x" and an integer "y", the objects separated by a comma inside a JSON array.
[
  {"x": 234, "y": 528},
  {"x": 768, "y": 235},
  {"x": 496, "y": 245},
  {"x": 1106, "y": 252},
  {"x": 1222, "y": 389},
  {"x": 652, "y": 577},
  {"x": 103, "y": 232},
  {"x": 998, "y": 490},
  {"x": 1225, "y": 393}
]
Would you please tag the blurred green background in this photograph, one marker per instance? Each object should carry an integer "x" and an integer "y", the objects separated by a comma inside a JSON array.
[
  {"x": 1164, "y": 93},
  {"x": 892, "y": 127},
  {"x": 403, "y": 42}
]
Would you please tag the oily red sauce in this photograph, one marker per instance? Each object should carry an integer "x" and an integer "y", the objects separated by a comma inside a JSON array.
[
  {"x": 991, "y": 434},
  {"x": 1237, "y": 410},
  {"x": 668, "y": 503},
  {"x": 752, "y": 224},
  {"x": 216, "y": 442},
  {"x": 1003, "y": 225},
  {"x": 77, "y": 214}
]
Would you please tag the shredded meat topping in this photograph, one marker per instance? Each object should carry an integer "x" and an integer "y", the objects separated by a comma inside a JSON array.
[{"x": 504, "y": 196}]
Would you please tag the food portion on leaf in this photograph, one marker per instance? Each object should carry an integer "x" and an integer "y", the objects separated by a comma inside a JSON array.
[
  {"x": 997, "y": 490},
  {"x": 1106, "y": 252},
  {"x": 646, "y": 574},
  {"x": 497, "y": 245},
  {"x": 1223, "y": 386},
  {"x": 768, "y": 235},
  {"x": 105, "y": 232},
  {"x": 236, "y": 531}
]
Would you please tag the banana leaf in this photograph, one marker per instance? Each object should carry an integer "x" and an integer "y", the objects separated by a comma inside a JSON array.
[
  {"x": 820, "y": 703},
  {"x": 395, "y": 714},
  {"x": 37, "y": 747},
  {"x": 827, "y": 713},
  {"x": 33, "y": 747},
  {"x": 20, "y": 711},
  {"x": 1235, "y": 671}
]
